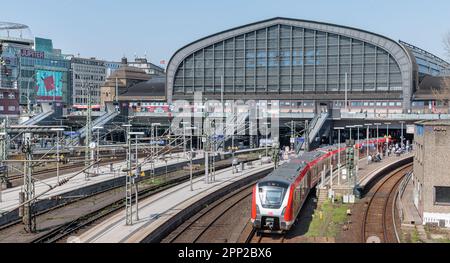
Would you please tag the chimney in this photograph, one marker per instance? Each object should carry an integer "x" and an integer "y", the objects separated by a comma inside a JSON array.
[{"x": 124, "y": 61}]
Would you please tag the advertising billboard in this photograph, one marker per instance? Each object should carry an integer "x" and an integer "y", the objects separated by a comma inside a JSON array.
[{"x": 49, "y": 85}]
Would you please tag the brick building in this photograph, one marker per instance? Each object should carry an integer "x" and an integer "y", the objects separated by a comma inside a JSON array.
[{"x": 432, "y": 171}]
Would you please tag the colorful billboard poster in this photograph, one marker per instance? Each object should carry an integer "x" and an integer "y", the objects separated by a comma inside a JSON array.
[{"x": 49, "y": 85}]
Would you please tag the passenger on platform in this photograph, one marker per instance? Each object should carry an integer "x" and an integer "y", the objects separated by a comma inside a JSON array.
[{"x": 369, "y": 158}]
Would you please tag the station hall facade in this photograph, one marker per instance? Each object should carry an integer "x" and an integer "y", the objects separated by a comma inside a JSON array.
[{"x": 304, "y": 64}]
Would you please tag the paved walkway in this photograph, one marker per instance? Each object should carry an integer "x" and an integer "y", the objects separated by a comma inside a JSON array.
[{"x": 156, "y": 210}]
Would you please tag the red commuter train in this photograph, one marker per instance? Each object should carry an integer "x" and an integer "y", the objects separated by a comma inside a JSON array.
[{"x": 278, "y": 197}]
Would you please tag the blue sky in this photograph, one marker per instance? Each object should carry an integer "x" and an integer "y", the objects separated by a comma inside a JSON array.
[{"x": 109, "y": 29}]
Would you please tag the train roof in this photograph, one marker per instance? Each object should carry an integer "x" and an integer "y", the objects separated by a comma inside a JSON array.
[{"x": 288, "y": 172}]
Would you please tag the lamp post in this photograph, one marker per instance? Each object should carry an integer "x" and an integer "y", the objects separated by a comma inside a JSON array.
[
  {"x": 184, "y": 123},
  {"x": 28, "y": 92},
  {"x": 267, "y": 127},
  {"x": 350, "y": 131},
  {"x": 136, "y": 185},
  {"x": 339, "y": 153},
  {"x": 387, "y": 137},
  {"x": 358, "y": 144},
  {"x": 154, "y": 134},
  {"x": 128, "y": 179},
  {"x": 401, "y": 136},
  {"x": 190, "y": 158},
  {"x": 378, "y": 136},
  {"x": 57, "y": 130},
  {"x": 367, "y": 140}
]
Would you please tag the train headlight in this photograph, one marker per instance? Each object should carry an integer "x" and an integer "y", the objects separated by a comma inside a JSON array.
[{"x": 284, "y": 211}]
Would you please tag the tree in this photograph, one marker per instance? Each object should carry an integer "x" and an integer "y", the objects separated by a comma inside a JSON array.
[{"x": 443, "y": 93}]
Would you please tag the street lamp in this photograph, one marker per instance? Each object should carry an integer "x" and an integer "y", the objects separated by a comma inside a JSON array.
[
  {"x": 339, "y": 154},
  {"x": 190, "y": 158},
  {"x": 378, "y": 136},
  {"x": 98, "y": 128},
  {"x": 267, "y": 127},
  {"x": 28, "y": 92},
  {"x": 184, "y": 123},
  {"x": 357, "y": 148},
  {"x": 387, "y": 137},
  {"x": 350, "y": 130},
  {"x": 154, "y": 136},
  {"x": 401, "y": 136},
  {"x": 367, "y": 140},
  {"x": 57, "y": 130}
]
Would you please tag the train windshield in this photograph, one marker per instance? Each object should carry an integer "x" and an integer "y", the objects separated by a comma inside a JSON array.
[{"x": 272, "y": 194}]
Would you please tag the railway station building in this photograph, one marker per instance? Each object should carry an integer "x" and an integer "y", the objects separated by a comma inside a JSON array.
[
  {"x": 306, "y": 65},
  {"x": 431, "y": 177}
]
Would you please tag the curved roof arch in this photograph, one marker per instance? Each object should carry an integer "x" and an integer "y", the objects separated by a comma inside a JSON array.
[{"x": 398, "y": 52}]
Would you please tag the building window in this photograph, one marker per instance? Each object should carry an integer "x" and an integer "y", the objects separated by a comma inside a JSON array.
[
  {"x": 11, "y": 108},
  {"x": 442, "y": 195},
  {"x": 2, "y": 108}
]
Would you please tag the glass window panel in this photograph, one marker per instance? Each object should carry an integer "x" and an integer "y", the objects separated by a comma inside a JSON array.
[
  {"x": 260, "y": 81},
  {"x": 250, "y": 35},
  {"x": 357, "y": 69},
  {"x": 273, "y": 71},
  {"x": 297, "y": 42},
  {"x": 229, "y": 71},
  {"x": 209, "y": 63},
  {"x": 239, "y": 72},
  {"x": 229, "y": 54},
  {"x": 188, "y": 73},
  {"x": 209, "y": 72},
  {"x": 261, "y": 34},
  {"x": 285, "y": 31},
  {"x": 261, "y": 71},
  {"x": 250, "y": 81},
  {"x": 285, "y": 42},
  {"x": 273, "y": 32},
  {"x": 261, "y": 43},
  {"x": 345, "y": 41},
  {"x": 297, "y": 32},
  {"x": 296, "y": 80},
  {"x": 309, "y": 41},
  {"x": 309, "y": 33},
  {"x": 239, "y": 62},
  {"x": 273, "y": 80},
  {"x": 218, "y": 63},
  {"x": 272, "y": 43},
  {"x": 189, "y": 62},
  {"x": 297, "y": 70},
  {"x": 285, "y": 80},
  {"x": 332, "y": 39},
  {"x": 239, "y": 53},
  {"x": 250, "y": 43},
  {"x": 369, "y": 49}
]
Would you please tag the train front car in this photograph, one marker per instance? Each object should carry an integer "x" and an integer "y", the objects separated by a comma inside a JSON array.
[
  {"x": 270, "y": 198},
  {"x": 274, "y": 205}
]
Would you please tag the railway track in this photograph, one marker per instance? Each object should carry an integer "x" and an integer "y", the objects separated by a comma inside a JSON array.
[
  {"x": 79, "y": 222},
  {"x": 17, "y": 179},
  {"x": 255, "y": 238},
  {"x": 196, "y": 227},
  {"x": 378, "y": 217}
]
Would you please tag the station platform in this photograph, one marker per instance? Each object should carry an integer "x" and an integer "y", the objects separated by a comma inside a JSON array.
[
  {"x": 158, "y": 209},
  {"x": 10, "y": 197},
  {"x": 366, "y": 173}
]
